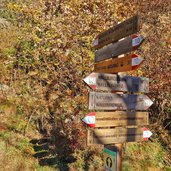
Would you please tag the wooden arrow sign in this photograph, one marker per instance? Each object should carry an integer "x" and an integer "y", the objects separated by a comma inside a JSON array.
[
  {"x": 109, "y": 101},
  {"x": 127, "y": 63},
  {"x": 111, "y": 82},
  {"x": 117, "y": 135},
  {"x": 121, "y": 47},
  {"x": 117, "y": 32},
  {"x": 116, "y": 118}
]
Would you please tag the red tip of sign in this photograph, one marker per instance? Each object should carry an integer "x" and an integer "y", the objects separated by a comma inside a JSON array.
[
  {"x": 91, "y": 114},
  {"x": 93, "y": 87},
  {"x": 91, "y": 125},
  {"x": 146, "y": 134},
  {"x": 145, "y": 129},
  {"x": 136, "y": 61},
  {"x": 90, "y": 119},
  {"x": 91, "y": 80},
  {"x": 136, "y": 41},
  {"x": 134, "y": 55},
  {"x": 134, "y": 36}
]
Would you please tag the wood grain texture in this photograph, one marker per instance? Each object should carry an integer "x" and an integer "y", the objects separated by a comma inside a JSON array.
[
  {"x": 115, "y": 49},
  {"x": 120, "y": 118},
  {"x": 113, "y": 82},
  {"x": 109, "y": 101},
  {"x": 119, "y": 31},
  {"x": 115, "y": 65},
  {"x": 114, "y": 135}
]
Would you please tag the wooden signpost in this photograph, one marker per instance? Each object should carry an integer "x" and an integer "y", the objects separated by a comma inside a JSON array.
[
  {"x": 110, "y": 101},
  {"x": 121, "y": 47},
  {"x": 123, "y": 116},
  {"x": 117, "y": 135},
  {"x": 111, "y": 82},
  {"x": 116, "y": 118},
  {"x": 127, "y": 63},
  {"x": 117, "y": 32}
]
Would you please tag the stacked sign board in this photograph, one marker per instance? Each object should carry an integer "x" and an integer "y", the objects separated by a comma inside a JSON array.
[{"x": 117, "y": 112}]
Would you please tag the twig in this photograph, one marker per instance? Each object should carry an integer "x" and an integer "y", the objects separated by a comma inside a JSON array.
[{"x": 25, "y": 129}]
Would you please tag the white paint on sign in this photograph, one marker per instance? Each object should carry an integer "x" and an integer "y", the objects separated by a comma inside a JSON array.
[
  {"x": 147, "y": 134},
  {"x": 136, "y": 61},
  {"x": 148, "y": 102},
  {"x": 137, "y": 40},
  {"x": 90, "y": 80},
  {"x": 89, "y": 119},
  {"x": 95, "y": 42}
]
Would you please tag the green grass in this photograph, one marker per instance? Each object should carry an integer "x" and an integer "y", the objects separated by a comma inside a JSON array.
[
  {"x": 16, "y": 154},
  {"x": 145, "y": 156},
  {"x": 16, "y": 151}
]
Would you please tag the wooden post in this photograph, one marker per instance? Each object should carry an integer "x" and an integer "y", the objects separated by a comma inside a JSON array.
[{"x": 119, "y": 157}]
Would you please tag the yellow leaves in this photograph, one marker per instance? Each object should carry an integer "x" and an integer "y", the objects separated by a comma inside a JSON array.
[
  {"x": 8, "y": 37},
  {"x": 43, "y": 75},
  {"x": 91, "y": 54},
  {"x": 30, "y": 11},
  {"x": 15, "y": 7},
  {"x": 33, "y": 73},
  {"x": 69, "y": 92},
  {"x": 36, "y": 39},
  {"x": 19, "y": 8},
  {"x": 7, "y": 108},
  {"x": 139, "y": 73}
]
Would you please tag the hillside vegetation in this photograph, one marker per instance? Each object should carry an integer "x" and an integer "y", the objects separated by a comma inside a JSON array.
[{"x": 45, "y": 52}]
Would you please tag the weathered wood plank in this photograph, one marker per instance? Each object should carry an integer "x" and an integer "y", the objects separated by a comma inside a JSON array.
[
  {"x": 114, "y": 135},
  {"x": 124, "y": 29},
  {"x": 112, "y": 82},
  {"x": 109, "y": 101},
  {"x": 127, "y": 63},
  {"x": 121, "y": 47},
  {"x": 120, "y": 118}
]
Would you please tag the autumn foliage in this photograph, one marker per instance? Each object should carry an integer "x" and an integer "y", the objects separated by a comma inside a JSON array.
[{"x": 52, "y": 53}]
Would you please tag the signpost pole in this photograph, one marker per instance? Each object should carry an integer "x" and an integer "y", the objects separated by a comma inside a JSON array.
[{"x": 119, "y": 156}]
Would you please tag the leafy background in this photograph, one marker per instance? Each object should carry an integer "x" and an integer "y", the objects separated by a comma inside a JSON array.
[{"x": 45, "y": 52}]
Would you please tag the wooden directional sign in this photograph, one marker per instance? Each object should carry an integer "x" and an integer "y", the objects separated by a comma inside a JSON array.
[
  {"x": 117, "y": 32},
  {"x": 117, "y": 135},
  {"x": 127, "y": 63},
  {"x": 109, "y": 101},
  {"x": 111, "y": 82},
  {"x": 121, "y": 47},
  {"x": 116, "y": 118}
]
